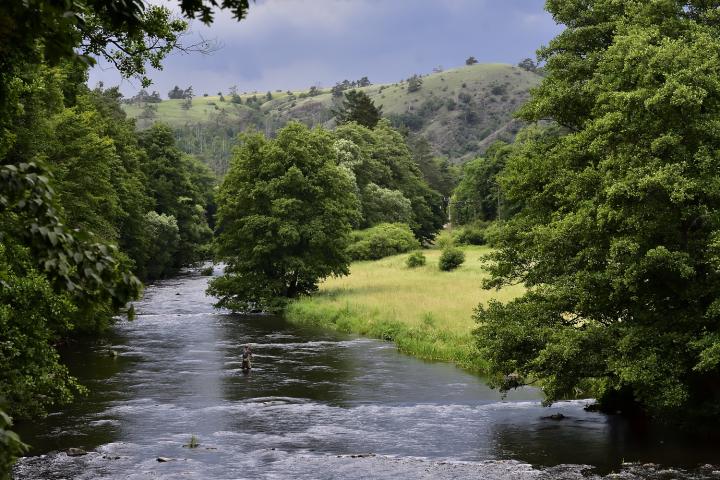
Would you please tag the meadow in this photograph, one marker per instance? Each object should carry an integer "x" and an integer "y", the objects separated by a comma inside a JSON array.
[{"x": 426, "y": 312}]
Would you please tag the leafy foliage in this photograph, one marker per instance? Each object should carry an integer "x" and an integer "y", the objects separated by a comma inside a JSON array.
[
  {"x": 415, "y": 259},
  {"x": 10, "y": 446},
  {"x": 439, "y": 174},
  {"x": 357, "y": 107},
  {"x": 617, "y": 237},
  {"x": 51, "y": 272},
  {"x": 380, "y": 156},
  {"x": 381, "y": 241},
  {"x": 450, "y": 259},
  {"x": 382, "y": 205},
  {"x": 472, "y": 233},
  {"x": 181, "y": 187},
  {"x": 32, "y": 317},
  {"x": 477, "y": 196},
  {"x": 284, "y": 218},
  {"x": 163, "y": 243}
]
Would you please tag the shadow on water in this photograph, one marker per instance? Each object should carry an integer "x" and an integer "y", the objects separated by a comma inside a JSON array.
[
  {"x": 93, "y": 364},
  {"x": 314, "y": 400}
]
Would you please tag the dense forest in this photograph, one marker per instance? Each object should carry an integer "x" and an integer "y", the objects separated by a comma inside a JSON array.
[{"x": 603, "y": 206}]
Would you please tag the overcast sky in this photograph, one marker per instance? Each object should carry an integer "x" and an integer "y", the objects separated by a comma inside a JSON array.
[{"x": 293, "y": 44}]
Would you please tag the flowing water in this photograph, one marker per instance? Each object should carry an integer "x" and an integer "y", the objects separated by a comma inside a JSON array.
[{"x": 317, "y": 405}]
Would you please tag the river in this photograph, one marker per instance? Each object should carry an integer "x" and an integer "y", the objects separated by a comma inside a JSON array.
[{"x": 317, "y": 405}]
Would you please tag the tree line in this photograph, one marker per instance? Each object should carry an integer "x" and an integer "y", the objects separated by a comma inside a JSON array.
[
  {"x": 606, "y": 209},
  {"x": 88, "y": 207}
]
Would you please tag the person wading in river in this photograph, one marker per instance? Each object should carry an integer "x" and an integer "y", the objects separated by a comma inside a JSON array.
[{"x": 246, "y": 359}]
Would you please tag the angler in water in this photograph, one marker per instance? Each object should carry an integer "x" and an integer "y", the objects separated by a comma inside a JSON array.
[{"x": 246, "y": 359}]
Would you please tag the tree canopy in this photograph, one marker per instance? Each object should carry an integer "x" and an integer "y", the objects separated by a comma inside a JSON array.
[
  {"x": 617, "y": 238},
  {"x": 382, "y": 158},
  {"x": 478, "y": 196},
  {"x": 285, "y": 212},
  {"x": 76, "y": 218},
  {"x": 358, "y": 107}
]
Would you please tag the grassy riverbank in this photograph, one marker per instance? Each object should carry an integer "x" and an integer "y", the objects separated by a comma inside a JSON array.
[{"x": 426, "y": 312}]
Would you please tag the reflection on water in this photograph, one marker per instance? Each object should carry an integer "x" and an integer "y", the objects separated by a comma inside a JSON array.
[{"x": 317, "y": 405}]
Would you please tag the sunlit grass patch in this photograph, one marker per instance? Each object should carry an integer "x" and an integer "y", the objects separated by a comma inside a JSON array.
[{"x": 426, "y": 312}]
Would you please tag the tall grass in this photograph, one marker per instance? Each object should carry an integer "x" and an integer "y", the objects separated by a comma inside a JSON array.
[{"x": 426, "y": 312}]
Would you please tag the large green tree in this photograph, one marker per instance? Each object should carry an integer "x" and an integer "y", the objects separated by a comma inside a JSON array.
[
  {"x": 285, "y": 212},
  {"x": 437, "y": 171},
  {"x": 380, "y": 156},
  {"x": 618, "y": 240},
  {"x": 180, "y": 187},
  {"x": 478, "y": 196}
]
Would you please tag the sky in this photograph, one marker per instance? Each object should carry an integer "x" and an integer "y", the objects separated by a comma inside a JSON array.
[{"x": 294, "y": 44}]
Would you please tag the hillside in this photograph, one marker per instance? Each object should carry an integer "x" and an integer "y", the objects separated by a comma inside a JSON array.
[{"x": 459, "y": 111}]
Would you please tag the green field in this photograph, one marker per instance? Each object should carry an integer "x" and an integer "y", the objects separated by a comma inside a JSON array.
[{"x": 426, "y": 312}]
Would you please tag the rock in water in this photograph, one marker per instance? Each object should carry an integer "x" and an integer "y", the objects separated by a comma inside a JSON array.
[
  {"x": 75, "y": 452},
  {"x": 555, "y": 416}
]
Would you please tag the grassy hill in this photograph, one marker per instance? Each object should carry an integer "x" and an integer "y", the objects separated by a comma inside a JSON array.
[{"x": 459, "y": 111}]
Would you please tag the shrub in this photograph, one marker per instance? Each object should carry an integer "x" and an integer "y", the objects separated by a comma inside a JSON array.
[
  {"x": 444, "y": 240},
  {"x": 472, "y": 234},
  {"x": 415, "y": 259},
  {"x": 451, "y": 259},
  {"x": 207, "y": 271},
  {"x": 381, "y": 241}
]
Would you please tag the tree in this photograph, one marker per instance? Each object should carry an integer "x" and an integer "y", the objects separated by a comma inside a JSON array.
[
  {"x": 149, "y": 112},
  {"x": 285, "y": 212},
  {"x": 358, "y": 107},
  {"x": 337, "y": 90},
  {"x": 382, "y": 157},
  {"x": 618, "y": 235},
  {"x": 127, "y": 176},
  {"x": 382, "y": 205},
  {"x": 471, "y": 61},
  {"x": 49, "y": 271},
  {"x": 528, "y": 64},
  {"x": 414, "y": 83},
  {"x": 437, "y": 172},
  {"x": 128, "y": 38},
  {"x": 176, "y": 93},
  {"x": 163, "y": 243},
  {"x": 478, "y": 196},
  {"x": 177, "y": 192}
]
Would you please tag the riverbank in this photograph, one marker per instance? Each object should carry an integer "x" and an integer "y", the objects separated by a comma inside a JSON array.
[{"x": 426, "y": 312}]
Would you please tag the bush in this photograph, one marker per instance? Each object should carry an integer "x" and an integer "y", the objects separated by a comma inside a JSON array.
[
  {"x": 415, "y": 259},
  {"x": 451, "y": 259},
  {"x": 207, "y": 271},
  {"x": 472, "y": 234},
  {"x": 381, "y": 241},
  {"x": 445, "y": 239}
]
